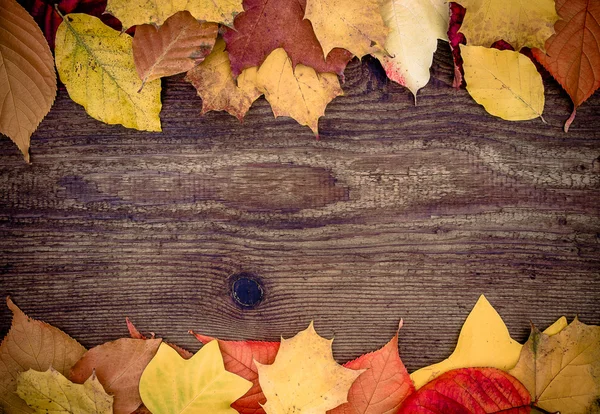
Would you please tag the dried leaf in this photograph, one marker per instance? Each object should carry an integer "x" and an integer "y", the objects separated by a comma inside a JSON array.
[{"x": 135, "y": 334}]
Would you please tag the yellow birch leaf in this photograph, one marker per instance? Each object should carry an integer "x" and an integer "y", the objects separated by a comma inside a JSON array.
[
  {"x": 137, "y": 12},
  {"x": 415, "y": 26},
  {"x": 354, "y": 25},
  {"x": 218, "y": 89},
  {"x": 305, "y": 379},
  {"x": 518, "y": 22},
  {"x": 50, "y": 392},
  {"x": 299, "y": 93},
  {"x": 562, "y": 371},
  {"x": 96, "y": 65},
  {"x": 173, "y": 385},
  {"x": 505, "y": 82}
]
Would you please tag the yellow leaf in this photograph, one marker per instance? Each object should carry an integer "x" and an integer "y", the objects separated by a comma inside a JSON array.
[
  {"x": 562, "y": 372},
  {"x": 505, "y": 82},
  {"x": 171, "y": 384},
  {"x": 305, "y": 379},
  {"x": 215, "y": 84},
  {"x": 136, "y": 12},
  {"x": 355, "y": 25},
  {"x": 96, "y": 65},
  {"x": 299, "y": 93},
  {"x": 27, "y": 78},
  {"x": 415, "y": 26},
  {"x": 518, "y": 22},
  {"x": 50, "y": 391}
]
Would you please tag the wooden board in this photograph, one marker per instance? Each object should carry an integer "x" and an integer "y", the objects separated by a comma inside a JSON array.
[{"x": 399, "y": 211}]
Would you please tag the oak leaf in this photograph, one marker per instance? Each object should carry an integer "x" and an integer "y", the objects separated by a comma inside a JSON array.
[
  {"x": 136, "y": 334},
  {"x": 562, "y": 371},
  {"x": 118, "y": 365},
  {"x": 267, "y": 25},
  {"x": 505, "y": 82},
  {"x": 27, "y": 78},
  {"x": 305, "y": 379},
  {"x": 470, "y": 391},
  {"x": 31, "y": 344},
  {"x": 573, "y": 54},
  {"x": 175, "y": 47},
  {"x": 218, "y": 89},
  {"x": 96, "y": 65},
  {"x": 299, "y": 93},
  {"x": 171, "y": 384}
]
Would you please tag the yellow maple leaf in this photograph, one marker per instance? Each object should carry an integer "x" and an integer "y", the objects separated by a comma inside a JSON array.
[
  {"x": 218, "y": 89},
  {"x": 520, "y": 23},
  {"x": 171, "y": 384},
  {"x": 305, "y": 379},
  {"x": 484, "y": 341},
  {"x": 96, "y": 65},
  {"x": 50, "y": 391},
  {"x": 355, "y": 25},
  {"x": 136, "y": 12},
  {"x": 505, "y": 82},
  {"x": 562, "y": 371},
  {"x": 299, "y": 93}
]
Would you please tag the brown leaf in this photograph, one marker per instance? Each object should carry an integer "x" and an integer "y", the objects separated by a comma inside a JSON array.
[{"x": 135, "y": 334}]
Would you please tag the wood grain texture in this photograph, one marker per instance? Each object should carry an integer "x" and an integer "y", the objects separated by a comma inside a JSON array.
[{"x": 399, "y": 211}]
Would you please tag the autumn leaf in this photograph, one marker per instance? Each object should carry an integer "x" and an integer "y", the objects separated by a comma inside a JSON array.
[
  {"x": 470, "y": 391},
  {"x": 218, "y": 89},
  {"x": 239, "y": 357},
  {"x": 415, "y": 26},
  {"x": 382, "y": 387},
  {"x": 51, "y": 392},
  {"x": 27, "y": 78},
  {"x": 138, "y": 12},
  {"x": 267, "y": 25},
  {"x": 562, "y": 371},
  {"x": 505, "y": 82},
  {"x": 175, "y": 47},
  {"x": 136, "y": 334},
  {"x": 304, "y": 379},
  {"x": 573, "y": 53},
  {"x": 299, "y": 93},
  {"x": 118, "y": 365},
  {"x": 354, "y": 25},
  {"x": 171, "y": 384},
  {"x": 96, "y": 65},
  {"x": 520, "y": 23},
  {"x": 31, "y": 344}
]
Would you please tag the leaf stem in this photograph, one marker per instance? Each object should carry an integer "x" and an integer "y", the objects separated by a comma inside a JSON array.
[
  {"x": 541, "y": 410},
  {"x": 58, "y": 11}
]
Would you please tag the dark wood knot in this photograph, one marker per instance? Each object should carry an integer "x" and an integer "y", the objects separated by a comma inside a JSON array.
[{"x": 246, "y": 290}]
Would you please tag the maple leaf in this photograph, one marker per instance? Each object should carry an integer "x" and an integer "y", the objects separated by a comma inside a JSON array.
[
  {"x": 505, "y": 82},
  {"x": 562, "y": 371},
  {"x": 573, "y": 53},
  {"x": 171, "y": 384},
  {"x": 175, "y": 47},
  {"x": 27, "y": 78},
  {"x": 118, "y": 366},
  {"x": 470, "y": 391},
  {"x": 96, "y": 65},
  {"x": 138, "y": 12},
  {"x": 50, "y": 391},
  {"x": 456, "y": 38},
  {"x": 267, "y": 25},
  {"x": 354, "y": 25},
  {"x": 382, "y": 387},
  {"x": 239, "y": 357},
  {"x": 415, "y": 26},
  {"x": 36, "y": 345},
  {"x": 299, "y": 93},
  {"x": 218, "y": 89},
  {"x": 304, "y": 377},
  {"x": 520, "y": 23}
]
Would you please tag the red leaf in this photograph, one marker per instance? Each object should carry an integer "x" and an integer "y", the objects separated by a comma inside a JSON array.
[
  {"x": 267, "y": 25},
  {"x": 239, "y": 357},
  {"x": 457, "y": 15},
  {"x": 470, "y": 391},
  {"x": 382, "y": 387}
]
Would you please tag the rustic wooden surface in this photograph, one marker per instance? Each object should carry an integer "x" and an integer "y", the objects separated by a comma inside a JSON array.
[{"x": 399, "y": 211}]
